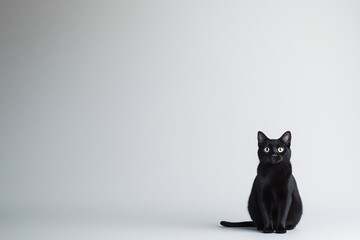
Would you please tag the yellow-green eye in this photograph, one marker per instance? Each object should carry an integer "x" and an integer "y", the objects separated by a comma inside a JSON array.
[
  {"x": 267, "y": 149},
  {"x": 280, "y": 149}
]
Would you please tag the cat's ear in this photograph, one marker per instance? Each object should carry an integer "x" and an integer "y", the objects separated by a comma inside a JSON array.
[
  {"x": 261, "y": 137},
  {"x": 286, "y": 138}
]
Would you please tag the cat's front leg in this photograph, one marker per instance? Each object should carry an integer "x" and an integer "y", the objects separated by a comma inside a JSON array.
[
  {"x": 283, "y": 212},
  {"x": 265, "y": 209}
]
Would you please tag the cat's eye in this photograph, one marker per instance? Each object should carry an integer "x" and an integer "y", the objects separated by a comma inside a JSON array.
[
  {"x": 267, "y": 149},
  {"x": 280, "y": 149}
]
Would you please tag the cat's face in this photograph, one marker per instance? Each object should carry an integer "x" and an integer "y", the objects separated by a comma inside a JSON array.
[{"x": 274, "y": 150}]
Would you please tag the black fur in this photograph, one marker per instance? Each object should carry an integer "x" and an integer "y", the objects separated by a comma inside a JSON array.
[{"x": 274, "y": 202}]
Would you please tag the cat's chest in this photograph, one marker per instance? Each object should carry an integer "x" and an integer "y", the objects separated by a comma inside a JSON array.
[{"x": 274, "y": 174}]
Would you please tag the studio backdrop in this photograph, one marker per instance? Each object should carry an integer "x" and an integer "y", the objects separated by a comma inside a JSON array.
[{"x": 150, "y": 109}]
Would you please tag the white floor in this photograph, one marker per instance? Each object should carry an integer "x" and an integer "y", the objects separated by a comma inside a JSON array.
[{"x": 66, "y": 226}]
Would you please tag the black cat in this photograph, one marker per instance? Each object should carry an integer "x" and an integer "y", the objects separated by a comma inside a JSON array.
[{"x": 274, "y": 202}]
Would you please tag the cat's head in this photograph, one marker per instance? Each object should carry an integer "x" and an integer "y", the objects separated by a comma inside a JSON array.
[{"x": 274, "y": 150}]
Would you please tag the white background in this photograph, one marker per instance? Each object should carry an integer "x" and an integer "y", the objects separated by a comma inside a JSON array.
[{"x": 138, "y": 119}]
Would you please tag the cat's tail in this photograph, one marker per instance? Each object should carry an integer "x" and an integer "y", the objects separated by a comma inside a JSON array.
[{"x": 237, "y": 224}]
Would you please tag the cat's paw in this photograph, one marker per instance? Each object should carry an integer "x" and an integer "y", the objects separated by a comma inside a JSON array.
[
  {"x": 280, "y": 230},
  {"x": 268, "y": 230}
]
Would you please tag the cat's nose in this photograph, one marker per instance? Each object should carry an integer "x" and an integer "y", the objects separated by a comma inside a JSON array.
[{"x": 273, "y": 155}]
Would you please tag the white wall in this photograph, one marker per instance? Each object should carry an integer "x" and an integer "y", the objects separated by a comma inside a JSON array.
[{"x": 153, "y": 106}]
